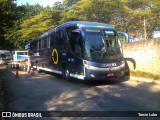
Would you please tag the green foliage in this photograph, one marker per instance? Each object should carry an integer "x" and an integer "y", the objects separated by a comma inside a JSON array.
[
  {"x": 7, "y": 11},
  {"x": 69, "y": 3},
  {"x": 11, "y": 36},
  {"x": 142, "y": 74},
  {"x": 29, "y": 21},
  {"x": 32, "y": 28},
  {"x": 27, "y": 11},
  {"x": 7, "y": 17}
]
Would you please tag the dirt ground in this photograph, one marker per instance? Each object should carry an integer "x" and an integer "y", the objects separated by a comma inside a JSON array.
[
  {"x": 47, "y": 92},
  {"x": 3, "y": 91}
]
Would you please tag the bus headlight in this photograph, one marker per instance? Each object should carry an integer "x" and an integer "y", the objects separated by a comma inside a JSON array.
[
  {"x": 90, "y": 67},
  {"x": 123, "y": 65}
]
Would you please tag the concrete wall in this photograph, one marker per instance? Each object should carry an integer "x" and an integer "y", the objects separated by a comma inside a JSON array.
[{"x": 146, "y": 55}]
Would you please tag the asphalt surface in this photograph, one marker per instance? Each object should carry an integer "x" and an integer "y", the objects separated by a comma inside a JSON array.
[{"x": 47, "y": 92}]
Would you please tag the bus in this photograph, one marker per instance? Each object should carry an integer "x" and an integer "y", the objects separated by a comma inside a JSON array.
[{"x": 79, "y": 49}]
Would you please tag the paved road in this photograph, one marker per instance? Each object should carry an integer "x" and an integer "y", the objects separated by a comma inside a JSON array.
[{"x": 46, "y": 92}]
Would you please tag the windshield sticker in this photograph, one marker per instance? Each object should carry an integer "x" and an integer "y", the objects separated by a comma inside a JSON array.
[
  {"x": 92, "y": 30},
  {"x": 109, "y": 32}
]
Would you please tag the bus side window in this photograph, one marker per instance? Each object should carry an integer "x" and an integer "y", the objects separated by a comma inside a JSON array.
[
  {"x": 39, "y": 42},
  {"x": 33, "y": 46},
  {"x": 51, "y": 40},
  {"x": 44, "y": 42},
  {"x": 75, "y": 44},
  {"x": 48, "y": 42},
  {"x": 60, "y": 37},
  {"x": 37, "y": 45},
  {"x": 69, "y": 31}
]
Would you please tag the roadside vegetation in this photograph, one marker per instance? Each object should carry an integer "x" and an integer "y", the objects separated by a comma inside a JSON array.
[
  {"x": 142, "y": 74},
  {"x": 25, "y": 22}
]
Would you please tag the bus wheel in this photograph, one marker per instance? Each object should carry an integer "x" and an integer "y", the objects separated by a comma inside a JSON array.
[
  {"x": 127, "y": 70},
  {"x": 66, "y": 75},
  {"x": 38, "y": 70}
]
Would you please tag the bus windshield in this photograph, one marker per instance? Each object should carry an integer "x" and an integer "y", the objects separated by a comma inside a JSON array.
[{"x": 102, "y": 45}]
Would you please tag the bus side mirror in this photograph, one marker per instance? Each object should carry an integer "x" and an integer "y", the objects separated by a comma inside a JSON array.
[{"x": 126, "y": 37}]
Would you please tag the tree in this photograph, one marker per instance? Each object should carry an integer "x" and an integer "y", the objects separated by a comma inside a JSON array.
[
  {"x": 8, "y": 15},
  {"x": 23, "y": 12},
  {"x": 19, "y": 23},
  {"x": 27, "y": 11},
  {"x": 69, "y": 3},
  {"x": 33, "y": 27},
  {"x": 133, "y": 14},
  {"x": 58, "y": 6},
  {"x": 102, "y": 11},
  {"x": 76, "y": 11},
  {"x": 93, "y": 10}
]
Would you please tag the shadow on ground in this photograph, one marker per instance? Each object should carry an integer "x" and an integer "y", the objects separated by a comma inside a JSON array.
[{"x": 49, "y": 93}]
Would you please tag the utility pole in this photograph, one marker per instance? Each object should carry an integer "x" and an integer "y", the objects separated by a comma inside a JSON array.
[{"x": 144, "y": 23}]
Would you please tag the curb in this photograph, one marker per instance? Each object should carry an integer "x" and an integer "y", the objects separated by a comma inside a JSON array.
[{"x": 146, "y": 80}]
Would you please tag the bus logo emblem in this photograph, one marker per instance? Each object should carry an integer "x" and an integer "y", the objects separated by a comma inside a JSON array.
[
  {"x": 109, "y": 65},
  {"x": 55, "y": 56}
]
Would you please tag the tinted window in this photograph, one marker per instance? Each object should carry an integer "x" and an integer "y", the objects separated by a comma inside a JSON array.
[
  {"x": 60, "y": 37},
  {"x": 48, "y": 42},
  {"x": 52, "y": 40},
  {"x": 69, "y": 31},
  {"x": 44, "y": 42},
  {"x": 39, "y": 42},
  {"x": 33, "y": 45},
  {"x": 75, "y": 43}
]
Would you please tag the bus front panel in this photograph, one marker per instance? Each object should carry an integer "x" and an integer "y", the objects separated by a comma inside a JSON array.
[{"x": 94, "y": 70}]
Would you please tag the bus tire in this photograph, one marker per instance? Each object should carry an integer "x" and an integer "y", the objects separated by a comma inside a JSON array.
[
  {"x": 39, "y": 70},
  {"x": 66, "y": 75},
  {"x": 127, "y": 70}
]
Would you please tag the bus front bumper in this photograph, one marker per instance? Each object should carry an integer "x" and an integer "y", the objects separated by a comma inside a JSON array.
[{"x": 103, "y": 73}]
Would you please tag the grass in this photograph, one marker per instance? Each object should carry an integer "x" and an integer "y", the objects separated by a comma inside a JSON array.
[{"x": 142, "y": 74}]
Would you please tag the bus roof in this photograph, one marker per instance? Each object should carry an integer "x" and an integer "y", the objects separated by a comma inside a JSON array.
[
  {"x": 88, "y": 24},
  {"x": 85, "y": 24}
]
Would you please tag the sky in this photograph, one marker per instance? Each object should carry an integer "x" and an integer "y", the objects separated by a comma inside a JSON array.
[{"x": 41, "y": 2}]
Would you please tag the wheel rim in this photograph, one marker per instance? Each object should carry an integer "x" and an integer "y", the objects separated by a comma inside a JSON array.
[
  {"x": 38, "y": 69},
  {"x": 66, "y": 74}
]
